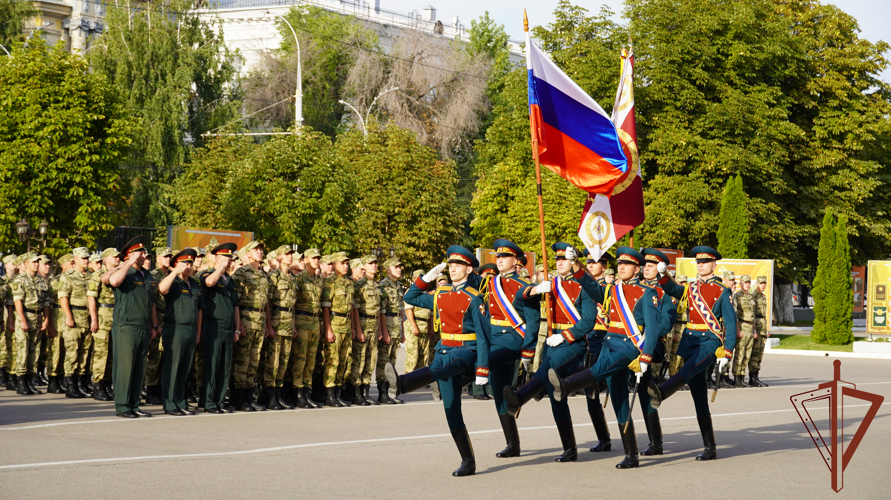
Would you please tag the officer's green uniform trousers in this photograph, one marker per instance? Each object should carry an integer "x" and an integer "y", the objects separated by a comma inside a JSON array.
[{"x": 132, "y": 318}]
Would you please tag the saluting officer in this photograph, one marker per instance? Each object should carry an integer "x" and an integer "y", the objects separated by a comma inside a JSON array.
[
  {"x": 704, "y": 340},
  {"x": 220, "y": 326},
  {"x": 461, "y": 314},
  {"x": 181, "y": 296},
  {"x": 135, "y": 323}
]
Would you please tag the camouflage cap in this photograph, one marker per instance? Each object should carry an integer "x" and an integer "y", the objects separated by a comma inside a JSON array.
[
  {"x": 417, "y": 274},
  {"x": 326, "y": 259},
  {"x": 355, "y": 263},
  {"x": 66, "y": 258},
  {"x": 29, "y": 256},
  {"x": 282, "y": 250},
  {"x": 523, "y": 273},
  {"x": 43, "y": 259},
  {"x": 392, "y": 261},
  {"x": 762, "y": 279},
  {"x": 745, "y": 278},
  {"x": 9, "y": 259},
  {"x": 161, "y": 252},
  {"x": 339, "y": 257},
  {"x": 609, "y": 271},
  {"x": 442, "y": 277},
  {"x": 250, "y": 246},
  {"x": 81, "y": 252},
  {"x": 368, "y": 259},
  {"x": 109, "y": 252},
  {"x": 200, "y": 251},
  {"x": 680, "y": 278},
  {"x": 17, "y": 261},
  {"x": 95, "y": 257},
  {"x": 539, "y": 268},
  {"x": 312, "y": 253},
  {"x": 298, "y": 255}
]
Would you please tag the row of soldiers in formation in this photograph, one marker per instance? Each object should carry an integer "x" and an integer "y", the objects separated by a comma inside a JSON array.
[
  {"x": 599, "y": 333},
  {"x": 261, "y": 321}
]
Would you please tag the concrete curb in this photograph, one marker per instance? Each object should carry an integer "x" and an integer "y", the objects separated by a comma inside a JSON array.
[{"x": 831, "y": 354}]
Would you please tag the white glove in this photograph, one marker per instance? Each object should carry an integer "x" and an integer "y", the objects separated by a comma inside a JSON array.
[
  {"x": 721, "y": 364},
  {"x": 555, "y": 340},
  {"x": 434, "y": 273},
  {"x": 571, "y": 254},
  {"x": 661, "y": 267},
  {"x": 543, "y": 287},
  {"x": 527, "y": 365},
  {"x": 640, "y": 373},
  {"x": 482, "y": 380},
  {"x": 643, "y": 368}
]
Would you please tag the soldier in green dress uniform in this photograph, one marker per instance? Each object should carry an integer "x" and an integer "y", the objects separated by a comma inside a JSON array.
[
  {"x": 136, "y": 322},
  {"x": 219, "y": 327},
  {"x": 181, "y": 297}
]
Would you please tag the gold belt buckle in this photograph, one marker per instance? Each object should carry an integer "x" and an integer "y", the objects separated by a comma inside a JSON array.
[{"x": 451, "y": 336}]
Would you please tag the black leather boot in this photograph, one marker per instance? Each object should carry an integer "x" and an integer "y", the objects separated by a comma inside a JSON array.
[
  {"x": 366, "y": 394},
  {"x": 11, "y": 382},
  {"x": 409, "y": 382},
  {"x": 280, "y": 396},
  {"x": 516, "y": 399},
  {"x": 109, "y": 388},
  {"x": 53, "y": 387},
  {"x": 468, "y": 461},
  {"x": 708, "y": 439},
  {"x": 41, "y": 376},
  {"x": 21, "y": 387},
  {"x": 242, "y": 400},
  {"x": 338, "y": 393},
  {"x": 4, "y": 379},
  {"x": 755, "y": 381},
  {"x": 307, "y": 391},
  {"x": 595, "y": 411},
  {"x": 629, "y": 442},
  {"x": 654, "y": 431},
  {"x": 71, "y": 391},
  {"x": 331, "y": 399},
  {"x": 348, "y": 392},
  {"x": 33, "y": 380},
  {"x": 153, "y": 395},
  {"x": 318, "y": 393},
  {"x": 359, "y": 398},
  {"x": 726, "y": 383},
  {"x": 272, "y": 396},
  {"x": 99, "y": 393},
  {"x": 289, "y": 395},
  {"x": 567, "y": 438},
  {"x": 383, "y": 394},
  {"x": 740, "y": 382},
  {"x": 511, "y": 436},
  {"x": 563, "y": 387},
  {"x": 84, "y": 385},
  {"x": 662, "y": 392}
]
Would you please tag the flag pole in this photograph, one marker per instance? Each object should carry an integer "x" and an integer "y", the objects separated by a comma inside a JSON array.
[{"x": 541, "y": 223}]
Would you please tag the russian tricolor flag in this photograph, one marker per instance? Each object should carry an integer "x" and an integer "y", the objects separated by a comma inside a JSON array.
[{"x": 576, "y": 138}]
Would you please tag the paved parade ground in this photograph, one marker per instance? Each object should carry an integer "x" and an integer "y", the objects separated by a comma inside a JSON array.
[{"x": 56, "y": 447}]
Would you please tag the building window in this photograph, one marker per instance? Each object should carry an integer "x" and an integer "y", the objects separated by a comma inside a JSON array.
[{"x": 86, "y": 5}]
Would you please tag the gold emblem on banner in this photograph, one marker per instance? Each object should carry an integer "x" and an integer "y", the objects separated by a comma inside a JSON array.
[{"x": 598, "y": 228}]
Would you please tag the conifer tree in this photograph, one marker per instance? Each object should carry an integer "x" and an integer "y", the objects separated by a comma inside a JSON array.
[
  {"x": 733, "y": 225},
  {"x": 823, "y": 282}
]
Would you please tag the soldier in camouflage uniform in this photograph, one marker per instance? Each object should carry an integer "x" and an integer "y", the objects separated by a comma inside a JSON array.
[
  {"x": 417, "y": 342},
  {"x": 306, "y": 319},
  {"x": 387, "y": 351},
  {"x": 11, "y": 262},
  {"x": 100, "y": 298},
  {"x": 6, "y": 343},
  {"x": 253, "y": 289},
  {"x": 337, "y": 309},
  {"x": 368, "y": 303},
  {"x": 761, "y": 333},
  {"x": 44, "y": 273},
  {"x": 156, "y": 349},
  {"x": 71, "y": 293},
  {"x": 283, "y": 297},
  {"x": 30, "y": 298},
  {"x": 55, "y": 342},
  {"x": 745, "y": 313}
]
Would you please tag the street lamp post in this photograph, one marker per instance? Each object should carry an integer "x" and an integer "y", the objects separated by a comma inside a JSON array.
[
  {"x": 298, "y": 94},
  {"x": 364, "y": 120},
  {"x": 26, "y": 234}
]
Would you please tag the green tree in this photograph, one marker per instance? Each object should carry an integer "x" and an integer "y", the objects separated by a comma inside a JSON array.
[
  {"x": 406, "y": 196},
  {"x": 13, "y": 14},
  {"x": 290, "y": 189},
  {"x": 842, "y": 299},
  {"x": 824, "y": 282},
  {"x": 329, "y": 45},
  {"x": 784, "y": 94},
  {"x": 173, "y": 69},
  {"x": 63, "y": 131},
  {"x": 733, "y": 225}
]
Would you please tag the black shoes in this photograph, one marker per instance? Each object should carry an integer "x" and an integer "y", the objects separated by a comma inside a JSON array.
[
  {"x": 127, "y": 414},
  {"x": 175, "y": 412},
  {"x": 468, "y": 462},
  {"x": 511, "y": 436},
  {"x": 143, "y": 414}
]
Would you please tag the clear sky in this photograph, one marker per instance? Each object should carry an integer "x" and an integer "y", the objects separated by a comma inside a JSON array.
[{"x": 874, "y": 16}]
